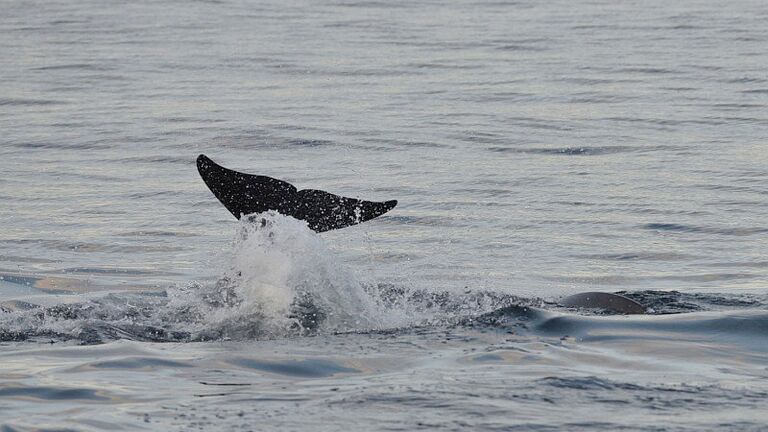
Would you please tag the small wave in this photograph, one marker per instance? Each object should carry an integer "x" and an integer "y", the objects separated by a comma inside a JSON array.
[
  {"x": 13, "y": 258},
  {"x": 421, "y": 220},
  {"x": 163, "y": 159},
  {"x": 373, "y": 4},
  {"x": 647, "y": 70},
  {"x": 28, "y": 102},
  {"x": 441, "y": 66},
  {"x": 74, "y": 66},
  {"x": 673, "y": 302},
  {"x": 51, "y": 393},
  {"x": 406, "y": 144},
  {"x": 654, "y": 396},
  {"x": 150, "y": 233},
  {"x": 744, "y": 80},
  {"x": 736, "y": 106},
  {"x": 748, "y": 327},
  {"x": 304, "y": 142},
  {"x": 596, "y": 98},
  {"x": 136, "y": 363},
  {"x": 755, "y": 91},
  {"x": 112, "y": 271},
  {"x": 61, "y": 145},
  {"x": 308, "y": 368},
  {"x": 638, "y": 256},
  {"x": 587, "y": 383},
  {"x": 680, "y": 228},
  {"x": 569, "y": 151},
  {"x": 88, "y": 247},
  {"x": 521, "y": 47}
]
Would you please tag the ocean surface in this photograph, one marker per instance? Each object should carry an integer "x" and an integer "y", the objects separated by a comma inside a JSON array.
[{"x": 538, "y": 149}]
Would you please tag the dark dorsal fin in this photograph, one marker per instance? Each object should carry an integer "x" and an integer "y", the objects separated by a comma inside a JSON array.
[{"x": 243, "y": 194}]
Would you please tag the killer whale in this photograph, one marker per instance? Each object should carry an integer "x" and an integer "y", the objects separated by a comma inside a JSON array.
[
  {"x": 244, "y": 194},
  {"x": 606, "y": 301}
]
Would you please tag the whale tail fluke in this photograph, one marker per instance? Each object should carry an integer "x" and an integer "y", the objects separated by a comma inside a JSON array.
[{"x": 244, "y": 194}]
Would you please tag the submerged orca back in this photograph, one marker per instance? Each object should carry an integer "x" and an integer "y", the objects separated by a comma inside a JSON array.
[{"x": 244, "y": 194}]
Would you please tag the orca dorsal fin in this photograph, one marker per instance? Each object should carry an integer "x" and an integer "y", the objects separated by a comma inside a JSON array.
[{"x": 244, "y": 194}]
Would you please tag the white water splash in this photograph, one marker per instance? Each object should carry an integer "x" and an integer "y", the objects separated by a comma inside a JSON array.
[
  {"x": 281, "y": 280},
  {"x": 279, "y": 260},
  {"x": 283, "y": 277}
]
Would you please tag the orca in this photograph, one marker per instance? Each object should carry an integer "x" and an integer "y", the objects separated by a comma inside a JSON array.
[
  {"x": 244, "y": 194},
  {"x": 607, "y": 301}
]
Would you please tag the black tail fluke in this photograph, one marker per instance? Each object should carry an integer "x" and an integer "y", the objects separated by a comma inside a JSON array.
[{"x": 244, "y": 194}]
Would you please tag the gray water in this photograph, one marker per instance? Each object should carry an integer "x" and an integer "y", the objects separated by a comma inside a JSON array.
[{"x": 537, "y": 150}]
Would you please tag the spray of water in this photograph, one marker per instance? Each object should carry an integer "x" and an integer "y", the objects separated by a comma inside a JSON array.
[
  {"x": 283, "y": 277},
  {"x": 281, "y": 280}
]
